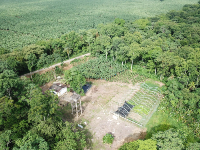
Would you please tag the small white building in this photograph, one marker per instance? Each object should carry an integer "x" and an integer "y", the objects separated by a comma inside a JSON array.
[{"x": 58, "y": 89}]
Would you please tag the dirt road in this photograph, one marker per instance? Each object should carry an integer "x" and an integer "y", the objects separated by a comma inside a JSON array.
[{"x": 53, "y": 66}]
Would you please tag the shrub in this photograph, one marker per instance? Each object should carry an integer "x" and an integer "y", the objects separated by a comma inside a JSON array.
[{"x": 108, "y": 138}]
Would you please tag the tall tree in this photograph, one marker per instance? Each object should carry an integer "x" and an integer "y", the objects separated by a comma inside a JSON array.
[
  {"x": 116, "y": 43},
  {"x": 32, "y": 49},
  {"x": 134, "y": 52},
  {"x": 70, "y": 138},
  {"x": 9, "y": 83},
  {"x": 104, "y": 41},
  {"x": 168, "y": 139},
  {"x": 31, "y": 141},
  {"x": 32, "y": 61},
  {"x": 5, "y": 140}
]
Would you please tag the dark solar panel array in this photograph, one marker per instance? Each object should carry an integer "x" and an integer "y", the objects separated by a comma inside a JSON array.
[{"x": 124, "y": 110}]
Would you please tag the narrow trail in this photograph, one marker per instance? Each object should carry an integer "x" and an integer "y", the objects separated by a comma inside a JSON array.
[{"x": 53, "y": 66}]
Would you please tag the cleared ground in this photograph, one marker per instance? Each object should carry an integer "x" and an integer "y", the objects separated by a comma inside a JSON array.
[
  {"x": 26, "y": 21},
  {"x": 99, "y": 105},
  {"x": 100, "y": 102}
]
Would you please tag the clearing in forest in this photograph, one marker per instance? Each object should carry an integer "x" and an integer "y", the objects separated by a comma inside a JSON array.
[{"x": 103, "y": 99}]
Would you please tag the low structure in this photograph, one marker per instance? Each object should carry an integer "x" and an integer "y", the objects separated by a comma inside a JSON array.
[
  {"x": 124, "y": 110},
  {"x": 58, "y": 88}
]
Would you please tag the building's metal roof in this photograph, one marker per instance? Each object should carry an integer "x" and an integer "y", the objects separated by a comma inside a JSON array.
[{"x": 57, "y": 87}]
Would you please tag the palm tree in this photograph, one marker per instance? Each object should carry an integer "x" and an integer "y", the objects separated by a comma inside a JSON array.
[{"x": 67, "y": 50}]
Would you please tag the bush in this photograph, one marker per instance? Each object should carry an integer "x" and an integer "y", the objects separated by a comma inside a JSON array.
[{"x": 108, "y": 138}]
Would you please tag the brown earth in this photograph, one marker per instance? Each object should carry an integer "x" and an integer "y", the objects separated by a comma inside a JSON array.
[{"x": 100, "y": 102}]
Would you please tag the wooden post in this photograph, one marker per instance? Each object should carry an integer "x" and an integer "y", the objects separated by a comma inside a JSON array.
[
  {"x": 72, "y": 107},
  {"x": 80, "y": 107},
  {"x": 76, "y": 109}
]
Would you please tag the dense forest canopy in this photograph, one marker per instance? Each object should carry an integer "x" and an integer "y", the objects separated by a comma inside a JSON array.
[{"x": 166, "y": 46}]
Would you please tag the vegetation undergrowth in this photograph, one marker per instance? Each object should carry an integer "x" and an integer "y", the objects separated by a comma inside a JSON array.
[{"x": 108, "y": 138}]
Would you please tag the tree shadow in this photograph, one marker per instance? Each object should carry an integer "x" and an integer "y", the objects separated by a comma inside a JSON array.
[
  {"x": 136, "y": 136},
  {"x": 66, "y": 113},
  {"x": 89, "y": 138},
  {"x": 143, "y": 135},
  {"x": 161, "y": 127}
]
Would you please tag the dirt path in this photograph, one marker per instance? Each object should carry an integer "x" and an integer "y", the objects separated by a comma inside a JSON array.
[{"x": 53, "y": 66}]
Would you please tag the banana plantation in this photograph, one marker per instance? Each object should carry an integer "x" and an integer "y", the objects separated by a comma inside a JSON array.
[{"x": 100, "y": 68}]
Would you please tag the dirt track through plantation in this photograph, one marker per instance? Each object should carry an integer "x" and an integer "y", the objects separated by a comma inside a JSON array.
[{"x": 53, "y": 66}]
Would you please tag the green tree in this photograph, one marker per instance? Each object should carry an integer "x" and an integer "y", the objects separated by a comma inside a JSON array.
[
  {"x": 75, "y": 79},
  {"x": 104, "y": 41},
  {"x": 134, "y": 52},
  {"x": 9, "y": 83},
  {"x": 111, "y": 30},
  {"x": 193, "y": 146},
  {"x": 73, "y": 41},
  {"x": 168, "y": 139},
  {"x": 142, "y": 23},
  {"x": 32, "y": 61},
  {"x": 32, "y": 49},
  {"x": 120, "y": 22},
  {"x": 42, "y": 62},
  {"x": 42, "y": 106},
  {"x": 91, "y": 35},
  {"x": 116, "y": 44},
  {"x": 9, "y": 64},
  {"x": 5, "y": 140},
  {"x": 67, "y": 49},
  {"x": 31, "y": 141},
  {"x": 70, "y": 138}
]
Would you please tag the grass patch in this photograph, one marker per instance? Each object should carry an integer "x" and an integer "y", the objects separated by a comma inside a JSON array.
[{"x": 140, "y": 109}]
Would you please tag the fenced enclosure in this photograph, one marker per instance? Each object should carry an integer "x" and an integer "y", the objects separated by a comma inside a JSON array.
[{"x": 144, "y": 99}]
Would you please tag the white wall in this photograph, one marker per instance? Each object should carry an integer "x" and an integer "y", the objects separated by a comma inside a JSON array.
[{"x": 62, "y": 91}]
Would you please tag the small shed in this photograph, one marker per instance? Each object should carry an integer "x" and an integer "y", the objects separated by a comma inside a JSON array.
[{"x": 59, "y": 88}]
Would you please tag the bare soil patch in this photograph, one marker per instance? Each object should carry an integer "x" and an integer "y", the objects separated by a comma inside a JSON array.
[
  {"x": 46, "y": 86},
  {"x": 100, "y": 102}
]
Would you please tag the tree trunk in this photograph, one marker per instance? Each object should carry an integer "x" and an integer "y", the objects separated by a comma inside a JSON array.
[
  {"x": 122, "y": 63},
  {"x": 160, "y": 76},
  {"x": 155, "y": 70},
  {"x": 106, "y": 55},
  {"x": 125, "y": 61},
  {"x": 8, "y": 143},
  {"x": 132, "y": 65},
  {"x": 54, "y": 74},
  {"x": 68, "y": 55},
  {"x": 9, "y": 93},
  {"x": 113, "y": 58}
]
